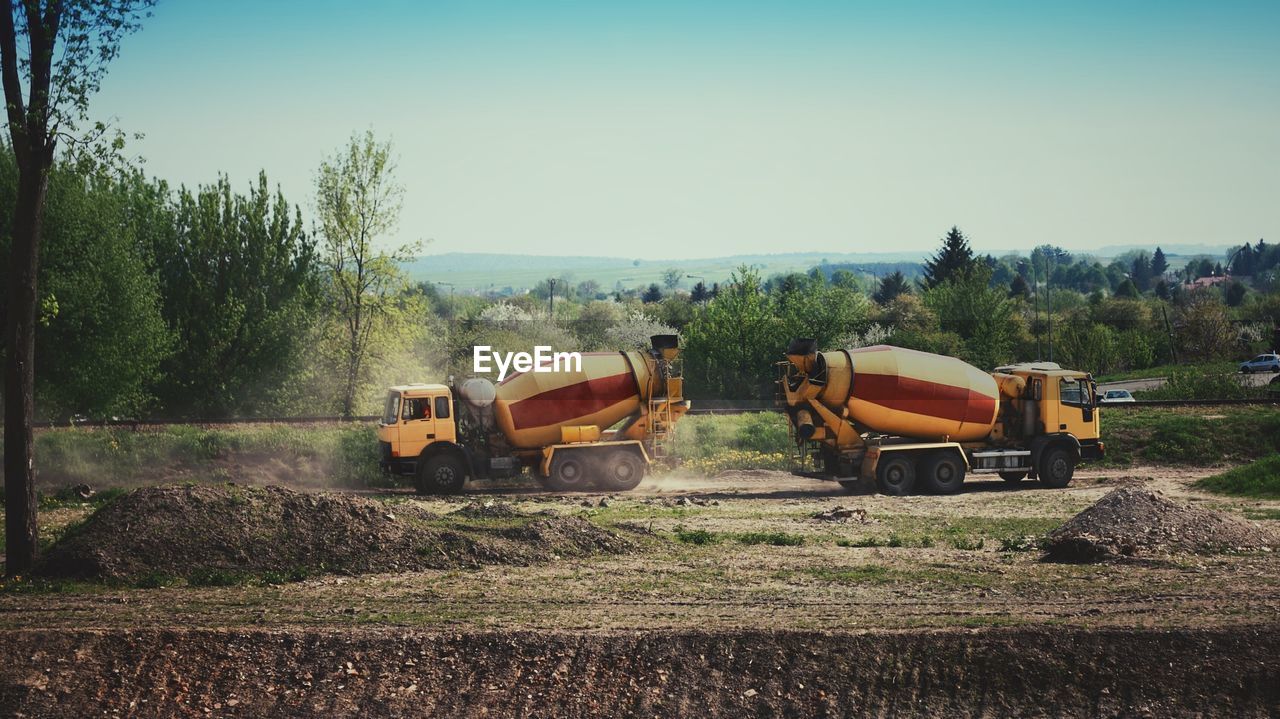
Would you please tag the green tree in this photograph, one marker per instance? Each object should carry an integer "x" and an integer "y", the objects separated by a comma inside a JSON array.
[
  {"x": 700, "y": 292},
  {"x": 358, "y": 201},
  {"x": 240, "y": 283},
  {"x": 890, "y": 287},
  {"x": 1159, "y": 264},
  {"x": 1235, "y": 293},
  {"x": 671, "y": 277},
  {"x": 733, "y": 342},
  {"x": 1128, "y": 290},
  {"x": 955, "y": 258},
  {"x": 652, "y": 294},
  {"x": 1019, "y": 288},
  {"x": 66, "y": 48},
  {"x": 1141, "y": 272},
  {"x": 983, "y": 316},
  {"x": 102, "y": 348},
  {"x": 101, "y": 336}
]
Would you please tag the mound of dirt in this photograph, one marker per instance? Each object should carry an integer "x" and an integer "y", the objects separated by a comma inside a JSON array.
[
  {"x": 1131, "y": 521},
  {"x": 191, "y": 531}
]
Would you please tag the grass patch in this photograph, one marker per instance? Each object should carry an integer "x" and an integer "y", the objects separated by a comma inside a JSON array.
[
  {"x": 695, "y": 536},
  {"x": 1021, "y": 544},
  {"x": 1190, "y": 435},
  {"x": 860, "y": 542},
  {"x": 709, "y": 444},
  {"x": 880, "y": 574},
  {"x": 1252, "y": 513},
  {"x": 1261, "y": 479},
  {"x": 777, "y": 539},
  {"x": 967, "y": 544},
  {"x": 864, "y": 574}
]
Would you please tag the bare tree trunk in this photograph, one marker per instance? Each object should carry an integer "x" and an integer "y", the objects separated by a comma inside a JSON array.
[{"x": 19, "y": 376}]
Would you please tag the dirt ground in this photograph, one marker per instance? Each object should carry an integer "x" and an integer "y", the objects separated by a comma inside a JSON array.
[{"x": 728, "y": 567}]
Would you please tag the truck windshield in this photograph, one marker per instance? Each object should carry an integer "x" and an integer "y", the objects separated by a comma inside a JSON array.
[{"x": 392, "y": 410}]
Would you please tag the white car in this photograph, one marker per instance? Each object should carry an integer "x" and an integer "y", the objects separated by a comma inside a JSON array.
[
  {"x": 1113, "y": 396},
  {"x": 1262, "y": 363}
]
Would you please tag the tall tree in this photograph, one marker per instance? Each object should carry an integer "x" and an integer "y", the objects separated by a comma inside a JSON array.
[
  {"x": 66, "y": 47},
  {"x": 1159, "y": 264},
  {"x": 954, "y": 259},
  {"x": 240, "y": 282},
  {"x": 700, "y": 292},
  {"x": 358, "y": 201},
  {"x": 671, "y": 277},
  {"x": 890, "y": 287},
  {"x": 101, "y": 337},
  {"x": 1141, "y": 272}
]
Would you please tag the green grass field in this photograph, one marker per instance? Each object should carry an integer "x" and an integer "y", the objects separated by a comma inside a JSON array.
[{"x": 1260, "y": 479}]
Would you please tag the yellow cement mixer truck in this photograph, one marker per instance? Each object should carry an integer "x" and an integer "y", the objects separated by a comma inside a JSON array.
[
  {"x": 911, "y": 419},
  {"x": 598, "y": 424}
]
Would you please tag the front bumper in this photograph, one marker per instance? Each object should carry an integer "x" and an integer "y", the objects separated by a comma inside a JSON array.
[
  {"x": 1092, "y": 450},
  {"x": 395, "y": 465}
]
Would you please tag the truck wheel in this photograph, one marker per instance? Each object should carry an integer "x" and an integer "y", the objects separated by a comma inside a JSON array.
[
  {"x": 942, "y": 472},
  {"x": 621, "y": 471},
  {"x": 1013, "y": 477},
  {"x": 568, "y": 472},
  {"x": 441, "y": 474},
  {"x": 896, "y": 476},
  {"x": 1056, "y": 468}
]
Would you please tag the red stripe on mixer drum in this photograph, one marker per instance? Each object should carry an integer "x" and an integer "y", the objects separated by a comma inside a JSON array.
[
  {"x": 931, "y": 399},
  {"x": 575, "y": 400}
]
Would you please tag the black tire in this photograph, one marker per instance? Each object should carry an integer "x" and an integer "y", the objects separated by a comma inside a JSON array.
[
  {"x": 896, "y": 475},
  {"x": 1013, "y": 477},
  {"x": 441, "y": 474},
  {"x": 1057, "y": 466},
  {"x": 620, "y": 471},
  {"x": 569, "y": 472},
  {"x": 942, "y": 472}
]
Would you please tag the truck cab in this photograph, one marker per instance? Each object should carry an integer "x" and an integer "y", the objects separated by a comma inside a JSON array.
[{"x": 415, "y": 417}]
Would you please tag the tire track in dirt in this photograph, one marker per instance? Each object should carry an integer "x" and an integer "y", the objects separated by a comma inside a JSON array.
[{"x": 1033, "y": 672}]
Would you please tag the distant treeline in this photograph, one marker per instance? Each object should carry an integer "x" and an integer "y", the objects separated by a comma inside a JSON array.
[{"x": 225, "y": 301}]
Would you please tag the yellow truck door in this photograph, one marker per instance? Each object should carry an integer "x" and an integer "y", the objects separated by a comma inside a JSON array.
[
  {"x": 417, "y": 424},
  {"x": 1076, "y": 413}
]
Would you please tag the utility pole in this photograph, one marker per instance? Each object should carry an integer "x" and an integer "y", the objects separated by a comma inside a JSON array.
[{"x": 551, "y": 297}]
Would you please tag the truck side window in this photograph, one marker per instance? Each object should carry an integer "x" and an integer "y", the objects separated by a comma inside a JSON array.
[
  {"x": 417, "y": 408},
  {"x": 1074, "y": 393},
  {"x": 442, "y": 408}
]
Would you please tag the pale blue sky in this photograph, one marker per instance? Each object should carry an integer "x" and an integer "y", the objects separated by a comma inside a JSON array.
[{"x": 679, "y": 129}]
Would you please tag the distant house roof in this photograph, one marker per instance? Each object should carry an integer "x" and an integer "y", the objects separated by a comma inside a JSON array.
[{"x": 1208, "y": 281}]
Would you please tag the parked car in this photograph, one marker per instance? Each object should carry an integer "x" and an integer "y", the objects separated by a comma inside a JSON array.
[
  {"x": 1262, "y": 363},
  {"x": 1113, "y": 396}
]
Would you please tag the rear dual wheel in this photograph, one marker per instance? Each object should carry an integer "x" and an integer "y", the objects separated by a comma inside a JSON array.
[
  {"x": 569, "y": 472},
  {"x": 937, "y": 472},
  {"x": 579, "y": 470},
  {"x": 942, "y": 472}
]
